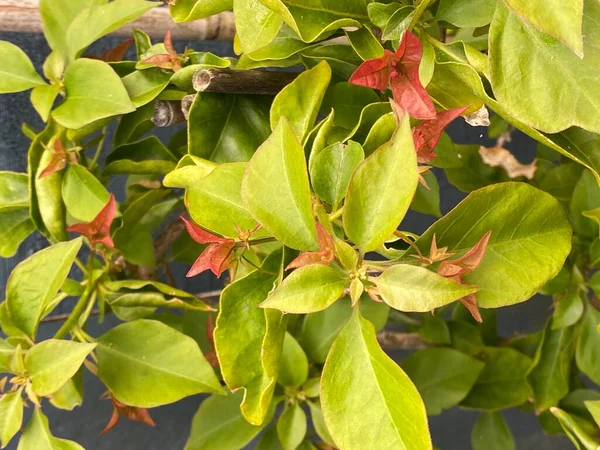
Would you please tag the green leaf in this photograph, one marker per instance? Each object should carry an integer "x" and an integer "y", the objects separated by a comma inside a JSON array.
[
  {"x": 293, "y": 370},
  {"x": 368, "y": 401},
  {"x": 88, "y": 82},
  {"x": 70, "y": 395},
  {"x": 15, "y": 226},
  {"x": 530, "y": 240},
  {"x": 568, "y": 311},
  {"x": 594, "y": 409},
  {"x": 143, "y": 86},
  {"x": 574, "y": 431},
  {"x": 133, "y": 126},
  {"x": 299, "y": 102},
  {"x": 417, "y": 289},
  {"x": 148, "y": 156},
  {"x": 291, "y": 427},
  {"x": 49, "y": 202},
  {"x": 188, "y": 10},
  {"x": 390, "y": 172},
  {"x": 269, "y": 440},
  {"x": 279, "y": 166},
  {"x": 427, "y": 199},
  {"x": 255, "y": 24},
  {"x": 52, "y": 363},
  {"x": 14, "y": 191},
  {"x": 435, "y": 330},
  {"x": 465, "y": 337},
  {"x": 189, "y": 171},
  {"x": 490, "y": 432},
  {"x": 398, "y": 23},
  {"x": 83, "y": 194},
  {"x": 364, "y": 43},
  {"x": 101, "y": 19},
  {"x": 332, "y": 169},
  {"x": 320, "y": 329},
  {"x": 442, "y": 376},
  {"x": 37, "y": 436},
  {"x": 219, "y": 425},
  {"x": 312, "y": 21},
  {"x": 540, "y": 64},
  {"x": 318, "y": 421},
  {"x": 466, "y": 13},
  {"x": 226, "y": 128},
  {"x": 34, "y": 283},
  {"x": 502, "y": 383},
  {"x": 146, "y": 363},
  {"x": 562, "y": 20},
  {"x": 586, "y": 196},
  {"x": 215, "y": 201},
  {"x": 248, "y": 341},
  {"x": 17, "y": 73},
  {"x": 11, "y": 416},
  {"x": 588, "y": 345},
  {"x": 308, "y": 289},
  {"x": 348, "y": 101},
  {"x": 42, "y": 98}
]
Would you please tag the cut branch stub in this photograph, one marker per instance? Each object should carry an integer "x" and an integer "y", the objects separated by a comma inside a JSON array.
[
  {"x": 186, "y": 104},
  {"x": 168, "y": 113},
  {"x": 227, "y": 81}
]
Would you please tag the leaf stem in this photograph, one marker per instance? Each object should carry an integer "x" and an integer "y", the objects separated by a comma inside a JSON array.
[
  {"x": 420, "y": 9},
  {"x": 336, "y": 214},
  {"x": 99, "y": 149}
]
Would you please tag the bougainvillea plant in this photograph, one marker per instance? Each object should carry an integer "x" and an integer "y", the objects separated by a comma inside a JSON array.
[{"x": 297, "y": 200}]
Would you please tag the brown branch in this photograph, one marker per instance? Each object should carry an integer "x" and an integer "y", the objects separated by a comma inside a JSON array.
[
  {"x": 167, "y": 113},
  {"x": 394, "y": 340},
  {"x": 24, "y": 16},
  {"x": 227, "y": 81},
  {"x": 186, "y": 105},
  {"x": 169, "y": 235}
]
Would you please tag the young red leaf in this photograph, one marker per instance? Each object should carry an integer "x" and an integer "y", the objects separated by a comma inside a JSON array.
[
  {"x": 117, "y": 53},
  {"x": 399, "y": 71},
  {"x": 169, "y": 44},
  {"x": 162, "y": 61},
  {"x": 427, "y": 134},
  {"x": 216, "y": 258},
  {"x": 130, "y": 412},
  {"x": 200, "y": 235},
  {"x": 470, "y": 302},
  {"x": 326, "y": 255},
  {"x": 98, "y": 230},
  {"x": 58, "y": 161}
]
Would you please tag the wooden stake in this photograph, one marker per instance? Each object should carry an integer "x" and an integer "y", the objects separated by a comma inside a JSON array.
[
  {"x": 167, "y": 113},
  {"x": 227, "y": 81},
  {"x": 24, "y": 16}
]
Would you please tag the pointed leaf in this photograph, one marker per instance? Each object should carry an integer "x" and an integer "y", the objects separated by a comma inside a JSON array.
[
  {"x": 187, "y": 10},
  {"x": 37, "y": 436},
  {"x": 293, "y": 369},
  {"x": 291, "y": 427},
  {"x": 146, "y": 363},
  {"x": 11, "y": 416},
  {"x": 255, "y": 24},
  {"x": 588, "y": 350},
  {"x": 35, "y": 281},
  {"x": 491, "y": 433},
  {"x": 84, "y": 195},
  {"x": 17, "y": 73},
  {"x": 390, "y": 172},
  {"x": 53, "y": 362},
  {"x": 279, "y": 166},
  {"x": 368, "y": 401}
]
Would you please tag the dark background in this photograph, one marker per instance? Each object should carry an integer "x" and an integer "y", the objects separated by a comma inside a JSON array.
[{"x": 451, "y": 430}]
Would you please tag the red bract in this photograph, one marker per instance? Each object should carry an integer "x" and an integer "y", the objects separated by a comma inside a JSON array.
[
  {"x": 216, "y": 257},
  {"x": 59, "y": 158},
  {"x": 455, "y": 269},
  {"x": 399, "y": 71},
  {"x": 325, "y": 256},
  {"x": 169, "y": 60},
  {"x": 130, "y": 412},
  {"x": 98, "y": 230},
  {"x": 115, "y": 54},
  {"x": 427, "y": 134}
]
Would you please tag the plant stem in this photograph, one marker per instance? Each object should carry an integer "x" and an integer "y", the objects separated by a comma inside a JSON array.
[
  {"x": 420, "y": 9},
  {"x": 99, "y": 149},
  {"x": 336, "y": 214}
]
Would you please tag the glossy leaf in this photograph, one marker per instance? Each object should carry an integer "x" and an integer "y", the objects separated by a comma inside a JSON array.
[
  {"x": 86, "y": 82},
  {"x": 147, "y": 156},
  {"x": 291, "y": 427},
  {"x": 530, "y": 239},
  {"x": 332, "y": 169},
  {"x": 502, "y": 383},
  {"x": 15, "y": 223},
  {"x": 568, "y": 311},
  {"x": 539, "y": 64},
  {"x": 368, "y": 217},
  {"x": 37, "y": 436},
  {"x": 248, "y": 341},
  {"x": 215, "y": 202},
  {"x": 427, "y": 198},
  {"x": 307, "y": 290},
  {"x": 348, "y": 101},
  {"x": 585, "y": 197},
  {"x": 143, "y": 86},
  {"x": 53, "y": 362},
  {"x": 490, "y": 432},
  {"x": 146, "y": 363},
  {"x": 368, "y": 401},
  {"x": 43, "y": 97},
  {"x": 417, "y": 289},
  {"x": 588, "y": 352},
  {"x": 442, "y": 376},
  {"x": 35, "y": 281},
  {"x": 299, "y": 102},
  {"x": 365, "y": 44},
  {"x": 17, "y": 73},
  {"x": 226, "y": 128},
  {"x": 83, "y": 194},
  {"x": 279, "y": 166},
  {"x": 11, "y": 416},
  {"x": 255, "y": 24},
  {"x": 219, "y": 425},
  {"x": 293, "y": 369},
  {"x": 187, "y": 10},
  {"x": 466, "y": 13}
]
